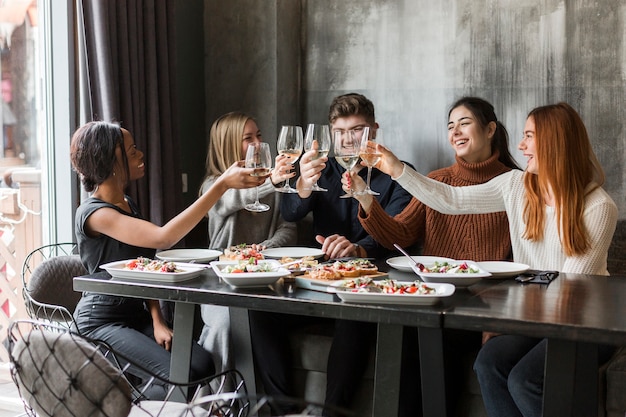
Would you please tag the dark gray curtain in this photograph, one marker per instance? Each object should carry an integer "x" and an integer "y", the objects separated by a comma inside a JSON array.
[{"x": 126, "y": 67}]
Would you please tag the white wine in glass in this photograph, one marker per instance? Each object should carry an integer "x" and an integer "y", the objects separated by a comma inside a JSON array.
[
  {"x": 289, "y": 144},
  {"x": 370, "y": 155},
  {"x": 346, "y": 145},
  {"x": 321, "y": 134},
  {"x": 258, "y": 157}
]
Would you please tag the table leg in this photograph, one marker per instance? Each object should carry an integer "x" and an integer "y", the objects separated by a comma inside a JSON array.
[
  {"x": 180, "y": 361},
  {"x": 586, "y": 383},
  {"x": 244, "y": 361},
  {"x": 387, "y": 371},
  {"x": 432, "y": 371},
  {"x": 570, "y": 379}
]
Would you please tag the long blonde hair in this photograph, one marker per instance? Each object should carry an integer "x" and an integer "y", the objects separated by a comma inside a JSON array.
[
  {"x": 566, "y": 165},
  {"x": 225, "y": 141}
]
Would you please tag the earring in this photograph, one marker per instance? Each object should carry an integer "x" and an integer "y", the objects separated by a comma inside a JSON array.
[{"x": 113, "y": 173}]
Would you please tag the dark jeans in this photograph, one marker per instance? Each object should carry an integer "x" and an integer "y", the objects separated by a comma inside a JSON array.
[
  {"x": 126, "y": 326},
  {"x": 273, "y": 357},
  {"x": 510, "y": 372}
]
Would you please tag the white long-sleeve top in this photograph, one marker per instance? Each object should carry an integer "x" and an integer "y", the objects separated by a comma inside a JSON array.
[{"x": 506, "y": 192}]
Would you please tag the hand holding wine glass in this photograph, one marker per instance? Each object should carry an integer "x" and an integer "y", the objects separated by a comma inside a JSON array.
[
  {"x": 321, "y": 134},
  {"x": 370, "y": 155},
  {"x": 289, "y": 144},
  {"x": 346, "y": 145},
  {"x": 258, "y": 157}
]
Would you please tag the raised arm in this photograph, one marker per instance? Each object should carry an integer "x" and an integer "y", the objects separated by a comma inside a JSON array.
[{"x": 143, "y": 233}]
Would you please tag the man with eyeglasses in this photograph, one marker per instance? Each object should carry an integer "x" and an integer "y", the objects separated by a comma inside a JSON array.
[
  {"x": 337, "y": 228},
  {"x": 335, "y": 220}
]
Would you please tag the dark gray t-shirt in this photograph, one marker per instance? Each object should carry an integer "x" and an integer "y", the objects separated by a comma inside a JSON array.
[{"x": 96, "y": 251}]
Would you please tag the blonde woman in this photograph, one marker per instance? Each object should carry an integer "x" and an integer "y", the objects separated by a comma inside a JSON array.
[{"x": 231, "y": 224}]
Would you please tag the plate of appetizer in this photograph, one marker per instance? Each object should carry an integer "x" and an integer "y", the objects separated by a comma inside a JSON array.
[
  {"x": 241, "y": 252},
  {"x": 298, "y": 266},
  {"x": 389, "y": 291},
  {"x": 250, "y": 273},
  {"x": 145, "y": 269},
  {"x": 460, "y": 273},
  {"x": 322, "y": 276},
  {"x": 402, "y": 263},
  {"x": 189, "y": 255},
  {"x": 503, "y": 269}
]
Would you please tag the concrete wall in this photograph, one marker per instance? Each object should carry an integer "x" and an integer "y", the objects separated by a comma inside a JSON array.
[{"x": 284, "y": 60}]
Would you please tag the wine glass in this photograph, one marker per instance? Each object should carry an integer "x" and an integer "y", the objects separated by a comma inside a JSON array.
[
  {"x": 370, "y": 156},
  {"x": 320, "y": 133},
  {"x": 346, "y": 147},
  {"x": 258, "y": 157},
  {"x": 290, "y": 145}
]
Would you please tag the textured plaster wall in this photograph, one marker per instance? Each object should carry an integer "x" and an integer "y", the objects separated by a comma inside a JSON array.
[{"x": 284, "y": 60}]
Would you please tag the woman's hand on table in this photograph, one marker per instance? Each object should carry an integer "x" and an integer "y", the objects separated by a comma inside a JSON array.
[
  {"x": 336, "y": 246},
  {"x": 258, "y": 247},
  {"x": 389, "y": 163},
  {"x": 282, "y": 171},
  {"x": 310, "y": 171}
]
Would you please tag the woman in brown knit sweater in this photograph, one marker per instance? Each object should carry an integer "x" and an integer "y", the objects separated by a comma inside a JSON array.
[{"x": 480, "y": 142}]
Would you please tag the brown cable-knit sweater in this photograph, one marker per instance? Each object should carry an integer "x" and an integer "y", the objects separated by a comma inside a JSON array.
[{"x": 478, "y": 237}]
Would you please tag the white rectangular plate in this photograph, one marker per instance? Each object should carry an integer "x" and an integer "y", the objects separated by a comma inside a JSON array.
[
  {"x": 442, "y": 290},
  {"x": 118, "y": 269},
  {"x": 249, "y": 279}
]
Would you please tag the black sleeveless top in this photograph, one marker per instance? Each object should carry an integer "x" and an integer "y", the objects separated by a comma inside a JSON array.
[{"x": 96, "y": 251}]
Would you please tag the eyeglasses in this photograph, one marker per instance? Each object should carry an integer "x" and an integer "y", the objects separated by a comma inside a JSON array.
[{"x": 540, "y": 276}]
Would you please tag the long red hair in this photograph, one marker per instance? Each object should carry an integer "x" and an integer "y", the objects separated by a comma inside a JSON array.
[{"x": 566, "y": 165}]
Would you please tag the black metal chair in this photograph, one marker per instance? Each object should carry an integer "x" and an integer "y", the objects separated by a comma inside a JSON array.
[
  {"x": 61, "y": 373},
  {"x": 47, "y": 289}
]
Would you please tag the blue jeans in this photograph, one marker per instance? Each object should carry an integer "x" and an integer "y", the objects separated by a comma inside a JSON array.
[
  {"x": 510, "y": 372},
  {"x": 126, "y": 325}
]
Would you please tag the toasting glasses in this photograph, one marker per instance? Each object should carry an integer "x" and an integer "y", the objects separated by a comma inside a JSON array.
[
  {"x": 321, "y": 134},
  {"x": 289, "y": 144},
  {"x": 258, "y": 157},
  {"x": 346, "y": 144},
  {"x": 370, "y": 156}
]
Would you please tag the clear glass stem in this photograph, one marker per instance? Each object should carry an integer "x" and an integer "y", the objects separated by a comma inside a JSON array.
[{"x": 369, "y": 176}]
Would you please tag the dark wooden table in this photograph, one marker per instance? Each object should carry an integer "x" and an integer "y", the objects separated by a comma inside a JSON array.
[
  {"x": 208, "y": 289},
  {"x": 574, "y": 312}
]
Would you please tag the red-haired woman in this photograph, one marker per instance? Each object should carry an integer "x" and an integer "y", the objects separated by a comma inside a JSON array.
[{"x": 560, "y": 219}]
